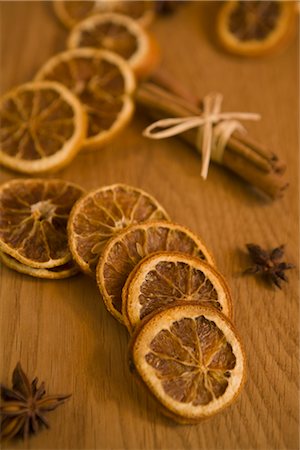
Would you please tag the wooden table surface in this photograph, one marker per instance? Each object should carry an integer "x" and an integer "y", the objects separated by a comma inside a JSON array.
[{"x": 60, "y": 330}]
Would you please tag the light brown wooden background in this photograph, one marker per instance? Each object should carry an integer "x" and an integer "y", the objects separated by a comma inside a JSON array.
[{"x": 60, "y": 330}]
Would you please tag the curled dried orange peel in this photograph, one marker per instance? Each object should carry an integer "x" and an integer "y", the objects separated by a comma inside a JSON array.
[
  {"x": 254, "y": 28},
  {"x": 101, "y": 214},
  {"x": 42, "y": 127},
  {"x": 72, "y": 12},
  {"x": 103, "y": 82},
  {"x": 190, "y": 359},
  {"x": 123, "y": 252},
  {"x": 163, "y": 279},
  {"x": 33, "y": 222},
  {"x": 120, "y": 34}
]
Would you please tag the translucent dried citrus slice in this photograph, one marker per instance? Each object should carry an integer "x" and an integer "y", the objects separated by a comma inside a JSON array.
[
  {"x": 56, "y": 273},
  {"x": 101, "y": 214},
  {"x": 125, "y": 251},
  {"x": 254, "y": 28},
  {"x": 120, "y": 34},
  {"x": 42, "y": 127},
  {"x": 33, "y": 220},
  {"x": 162, "y": 279},
  {"x": 72, "y": 12},
  {"x": 103, "y": 82},
  {"x": 190, "y": 359}
]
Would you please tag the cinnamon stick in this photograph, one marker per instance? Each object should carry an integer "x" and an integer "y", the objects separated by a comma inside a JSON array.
[
  {"x": 243, "y": 155},
  {"x": 157, "y": 98},
  {"x": 268, "y": 183},
  {"x": 260, "y": 149},
  {"x": 240, "y": 148},
  {"x": 165, "y": 81}
]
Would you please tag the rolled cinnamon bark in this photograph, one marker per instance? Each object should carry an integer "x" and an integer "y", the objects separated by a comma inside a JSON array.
[{"x": 243, "y": 155}]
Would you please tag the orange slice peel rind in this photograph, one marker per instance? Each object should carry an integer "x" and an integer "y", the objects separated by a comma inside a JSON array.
[
  {"x": 190, "y": 359},
  {"x": 256, "y": 28},
  {"x": 120, "y": 34},
  {"x": 43, "y": 126},
  {"x": 56, "y": 273},
  {"x": 104, "y": 212},
  {"x": 72, "y": 12},
  {"x": 163, "y": 279},
  {"x": 33, "y": 220}
]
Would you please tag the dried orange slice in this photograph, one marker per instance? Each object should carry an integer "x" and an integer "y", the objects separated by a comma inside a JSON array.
[
  {"x": 162, "y": 279},
  {"x": 103, "y": 82},
  {"x": 123, "y": 252},
  {"x": 190, "y": 359},
  {"x": 100, "y": 214},
  {"x": 42, "y": 127},
  {"x": 33, "y": 220},
  {"x": 72, "y": 12},
  {"x": 253, "y": 28},
  {"x": 56, "y": 273},
  {"x": 120, "y": 34}
]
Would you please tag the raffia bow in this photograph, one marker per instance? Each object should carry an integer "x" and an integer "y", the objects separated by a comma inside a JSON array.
[{"x": 215, "y": 129}]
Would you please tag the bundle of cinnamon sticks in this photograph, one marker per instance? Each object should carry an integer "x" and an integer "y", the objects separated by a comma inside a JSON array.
[{"x": 162, "y": 97}]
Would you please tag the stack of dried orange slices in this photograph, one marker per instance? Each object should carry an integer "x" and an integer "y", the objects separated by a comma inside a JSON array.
[
  {"x": 104, "y": 84},
  {"x": 80, "y": 98},
  {"x": 33, "y": 226},
  {"x": 159, "y": 279},
  {"x": 156, "y": 277}
]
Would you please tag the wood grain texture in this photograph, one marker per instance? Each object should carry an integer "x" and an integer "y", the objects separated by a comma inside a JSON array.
[{"x": 60, "y": 330}]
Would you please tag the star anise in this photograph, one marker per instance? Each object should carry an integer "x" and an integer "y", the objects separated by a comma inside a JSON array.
[
  {"x": 269, "y": 264},
  {"x": 167, "y": 7},
  {"x": 23, "y": 407}
]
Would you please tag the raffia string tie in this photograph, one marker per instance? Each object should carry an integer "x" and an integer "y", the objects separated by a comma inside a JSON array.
[{"x": 214, "y": 129}]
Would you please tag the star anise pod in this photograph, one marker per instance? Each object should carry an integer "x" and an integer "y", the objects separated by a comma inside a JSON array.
[
  {"x": 167, "y": 7},
  {"x": 23, "y": 407},
  {"x": 269, "y": 264}
]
